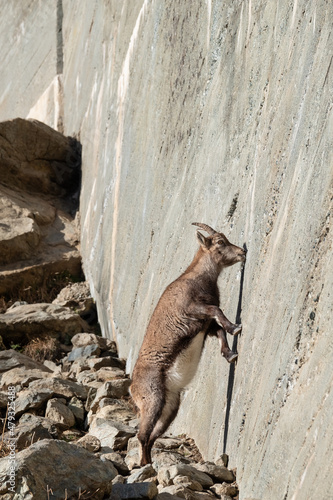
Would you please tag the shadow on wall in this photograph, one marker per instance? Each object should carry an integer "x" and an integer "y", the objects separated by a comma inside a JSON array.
[{"x": 232, "y": 368}]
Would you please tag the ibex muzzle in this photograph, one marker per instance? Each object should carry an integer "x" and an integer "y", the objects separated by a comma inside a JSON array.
[{"x": 186, "y": 313}]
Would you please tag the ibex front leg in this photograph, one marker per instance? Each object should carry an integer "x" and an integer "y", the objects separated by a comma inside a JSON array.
[
  {"x": 204, "y": 311},
  {"x": 226, "y": 352}
]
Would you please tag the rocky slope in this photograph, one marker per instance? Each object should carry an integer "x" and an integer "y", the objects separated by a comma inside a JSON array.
[{"x": 71, "y": 428}]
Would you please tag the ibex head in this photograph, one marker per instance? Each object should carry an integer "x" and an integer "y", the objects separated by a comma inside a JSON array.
[{"x": 221, "y": 251}]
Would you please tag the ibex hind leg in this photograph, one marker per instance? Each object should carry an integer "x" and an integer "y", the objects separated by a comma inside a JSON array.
[
  {"x": 151, "y": 406},
  {"x": 168, "y": 415},
  {"x": 148, "y": 420}
]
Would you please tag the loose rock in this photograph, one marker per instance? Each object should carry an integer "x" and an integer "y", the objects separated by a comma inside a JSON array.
[
  {"x": 59, "y": 413},
  {"x": 55, "y": 465},
  {"x": 134, "y": 491}
]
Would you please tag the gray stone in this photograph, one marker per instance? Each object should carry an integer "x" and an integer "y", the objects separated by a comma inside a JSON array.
[
  {"x": 166, "y": 475},
  {"x": 84, "y": 352},
  {"x": 37, "y": 320},
  {"x": 115, "y": 409},
  {"x": 176, "y": 491},
  {"x": 77, "y": 408},
  {"x": 161, "y": 458},
  {"x": 85, "y": 339},
  {"x": 88, "y": 378},
  {"x": 111, "y": 434},
  {"x": 78, "y": 297},
  {"x": 28, "y": 399},
  {"x": 22, "y": 376},
  {"x": 10, "y": 359},
  {"x": 166, "y": 496},
  {"x": 60, "y": 387},
  {"x": 216, "y": 472},
  {"x": 78, "y": 366},
  {"x": 135, "y": 491},
  {"x": 118, "y": 479},
  {"x": 92, "y": 391},
  {"x": 230, "y": 490},
  {"x": 52, "y": 366},
  {"x": 105, "y": 363},
  {"x": 90, "y": 443},
  {"x": 142, "y": 474},
  {"x": 59, "y": 413},
  {"x": 64, "y": 468},
  {"x": 188, "y": 483},
  {"x": 18, "y": 241},
  {"x": 117, "y": 461},
  {"x": 32, "y": 428},
  {"x": 116, "y": 388}
]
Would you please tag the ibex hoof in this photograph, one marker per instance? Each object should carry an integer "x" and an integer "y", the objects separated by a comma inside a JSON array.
[
  {"x": 230, "y": 356},
  {"x": 235, "y": 329}
]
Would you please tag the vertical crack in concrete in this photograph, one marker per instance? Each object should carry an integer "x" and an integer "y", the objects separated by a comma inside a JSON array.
[
  {"x": 231, "y": 378},
  {"x": 60, "y": 41},
  {"x": 60, "y": 67}
]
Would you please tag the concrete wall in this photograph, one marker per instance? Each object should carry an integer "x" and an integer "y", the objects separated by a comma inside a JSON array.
[{"x": 190, "y": 114}]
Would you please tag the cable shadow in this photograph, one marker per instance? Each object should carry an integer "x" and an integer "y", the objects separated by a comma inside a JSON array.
[{"x": 232, "y": 368}]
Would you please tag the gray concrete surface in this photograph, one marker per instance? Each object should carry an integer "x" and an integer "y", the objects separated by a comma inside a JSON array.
[{"x": 191, "y": 114}]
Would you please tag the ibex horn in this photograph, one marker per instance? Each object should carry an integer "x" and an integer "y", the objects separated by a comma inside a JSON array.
[{"x": 206, "y": 228}]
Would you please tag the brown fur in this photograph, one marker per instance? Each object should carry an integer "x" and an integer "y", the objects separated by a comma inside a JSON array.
[{"x": 186, "y": 313}]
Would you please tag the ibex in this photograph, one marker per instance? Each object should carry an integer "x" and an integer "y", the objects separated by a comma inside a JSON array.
[{"x": 186, "y": 313}]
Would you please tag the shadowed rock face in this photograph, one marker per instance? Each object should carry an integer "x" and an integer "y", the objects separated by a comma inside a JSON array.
[
  {"x": 222, "y": 113},
  {"x": 39, "y": 182},
  {"x": 38, "y": 159}
]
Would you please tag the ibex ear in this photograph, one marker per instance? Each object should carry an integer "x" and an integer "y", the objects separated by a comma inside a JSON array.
[{"x": 202, "y": 240}]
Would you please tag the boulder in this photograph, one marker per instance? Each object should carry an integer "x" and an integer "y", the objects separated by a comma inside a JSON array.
[
  {"x": 28, "y": 399},
  {"x": 62, "y": 467},
  {"x": 134, "y": 491},
  {"x": 142, "y": 474},
  {"x": 78, "y": 297},
  {"x": 18, "y": 241},
  {"x": 114, "y": 389},
  {"x": 230, "y": 490},
  {"x": 29, "y": 321},
  {"x": 84, "y": 352},
  {"x": 217, "y": 472},
  {"x": 10, "y": 359},
  {"x": 117, "y": 460},
  {"x": 85, "y": 339},
  {"x": 59, "y": 413},
  {"x": 161, "y": 458},
  {"x": 22, "y": 377},
  {"x": 167, "y": 474},
  {"x": 32, "y": 428},
  {"x": 90, "y": 443},
  {"x": 60, "y": 387},
  {"x": 111, "y": 434},
  {"x": 88, "y": 378},
  {"x": 38, "y": 159},
  {"x": 115, "y": 409},
  {"x": 188, "y": 483},
  {"x": 39, "y": 168},
  {"x": 77, "y": 408}
]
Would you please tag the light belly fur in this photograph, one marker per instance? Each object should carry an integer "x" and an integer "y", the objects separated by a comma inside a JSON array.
[{"x": 185, "y": 365}]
